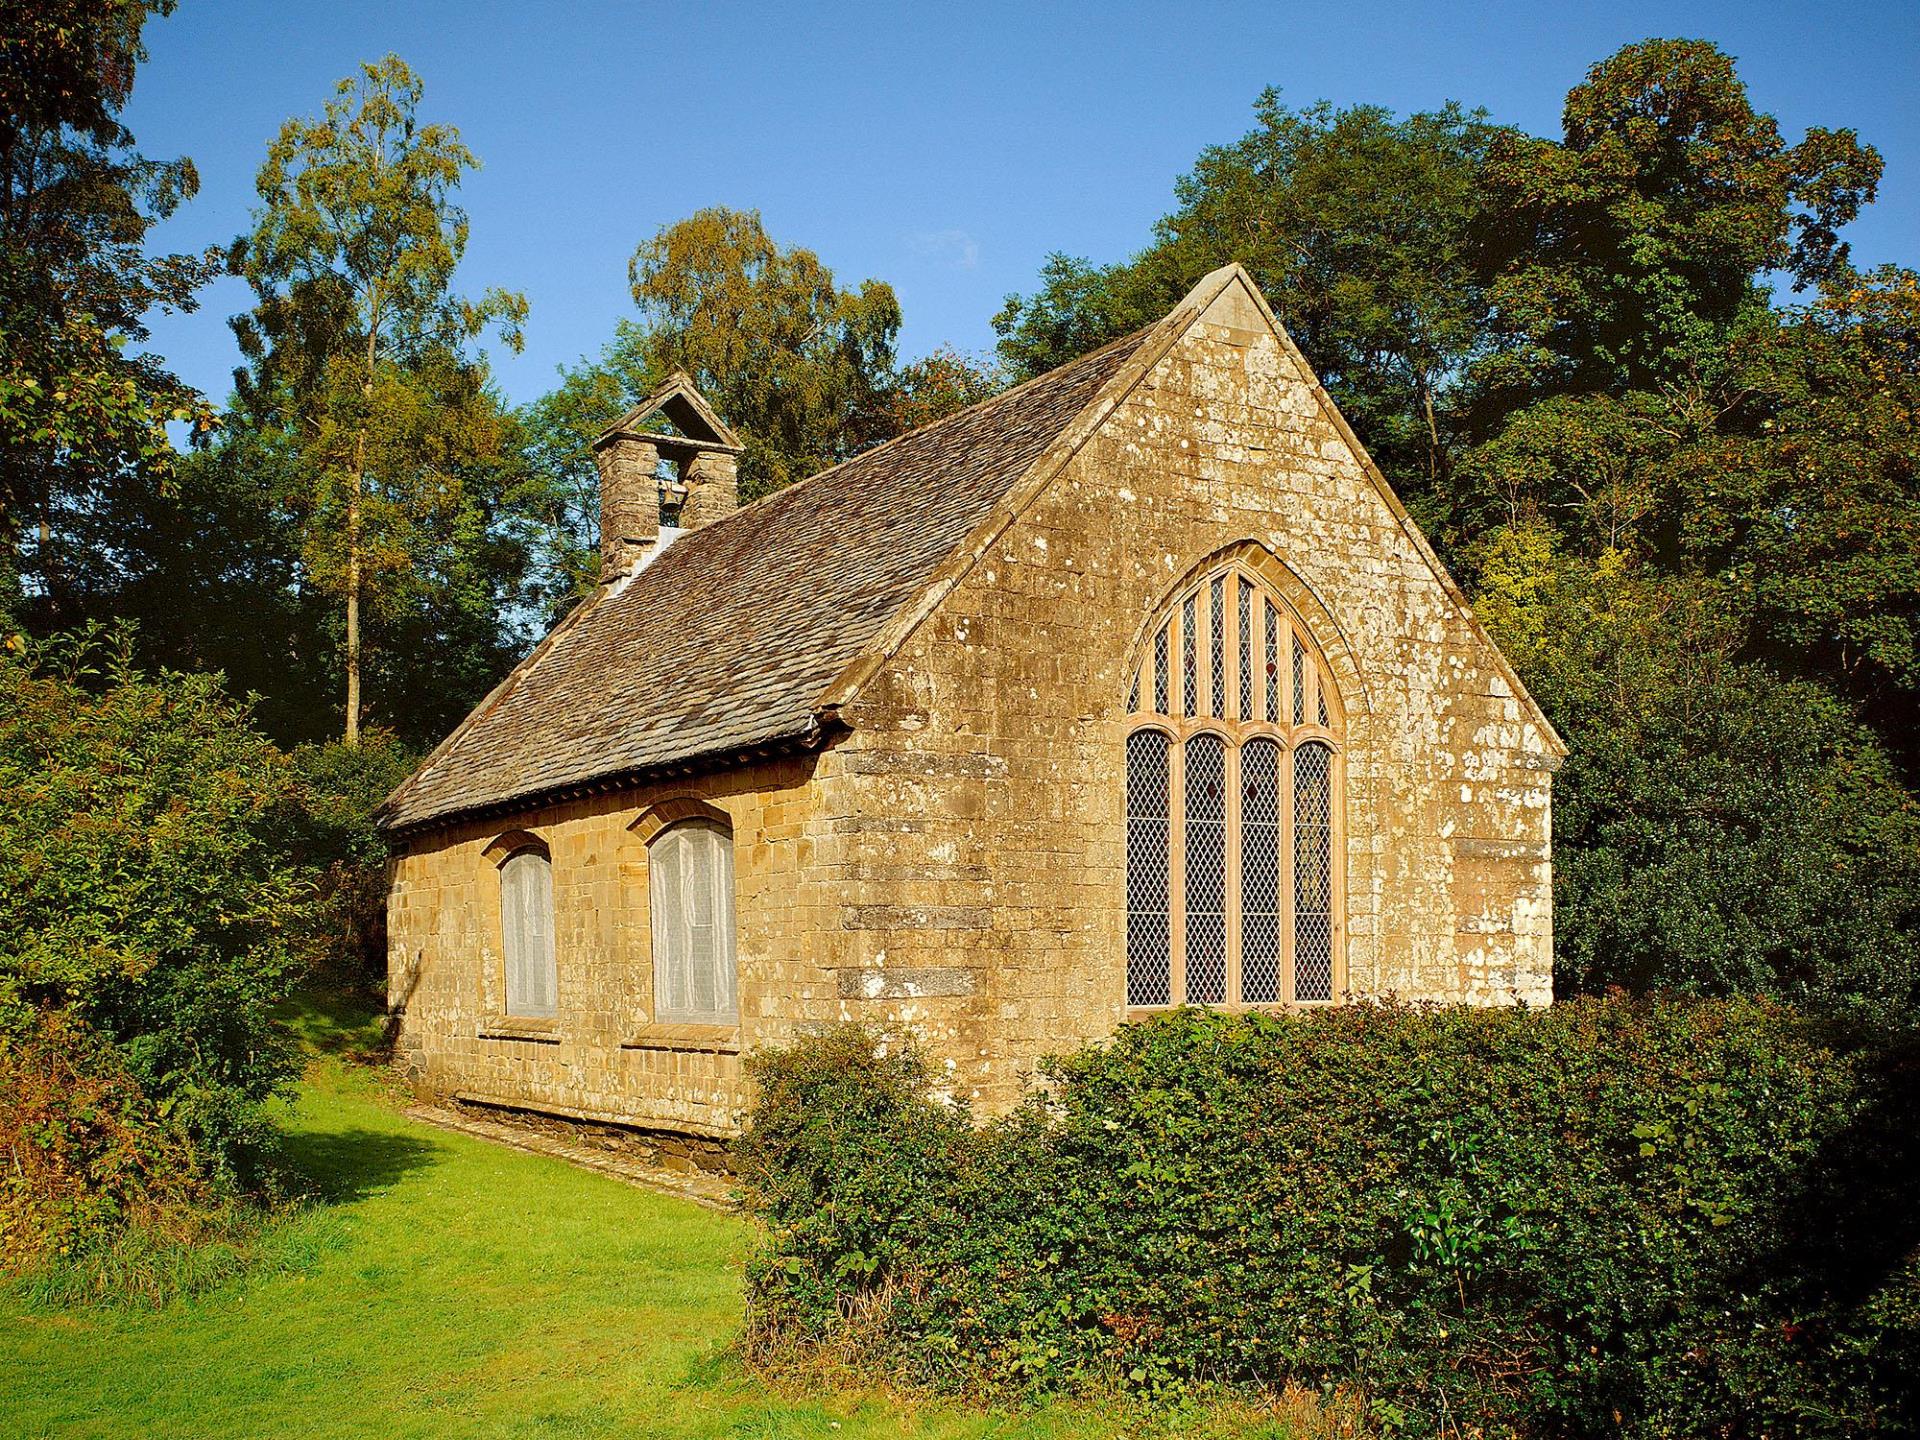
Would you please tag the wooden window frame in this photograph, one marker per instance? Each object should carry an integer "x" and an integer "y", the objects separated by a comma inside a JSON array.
[{"x": 1236, "y": 729}]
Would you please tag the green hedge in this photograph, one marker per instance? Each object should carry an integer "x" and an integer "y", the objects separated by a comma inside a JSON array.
[{"x": 1615, "y": 1216}]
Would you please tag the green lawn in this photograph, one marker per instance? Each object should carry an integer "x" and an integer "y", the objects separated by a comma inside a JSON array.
[{"x": 448, "y": 1287}]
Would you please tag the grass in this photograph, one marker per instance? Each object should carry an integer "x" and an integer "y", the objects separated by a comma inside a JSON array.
[{"x": 442, "y": 1286}]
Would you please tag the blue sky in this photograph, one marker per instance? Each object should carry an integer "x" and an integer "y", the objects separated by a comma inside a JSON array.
[{"x": 945, "y": 148}]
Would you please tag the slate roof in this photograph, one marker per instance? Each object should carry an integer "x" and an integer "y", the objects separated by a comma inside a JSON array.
[{"x": 724, "y": 644}]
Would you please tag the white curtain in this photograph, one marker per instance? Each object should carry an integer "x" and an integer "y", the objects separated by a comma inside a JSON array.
[
  {"x": 526, "y": 925},
  {"x": 692, "y": 892}
]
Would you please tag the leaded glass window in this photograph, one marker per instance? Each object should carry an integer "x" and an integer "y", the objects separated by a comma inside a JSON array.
[
  {"x": 1299, "y": 682},
  {"x": 1273, "y": 662},
  {"x": 1149, "y": 947},
  {"x": 1160, "y": 672},
  {"x": 1204, "y": 807},
  {"x": 1216, "y": 626},
  {"x": 1313, "y": 872},
  {"x": 1233, "y": 805},
  {"x": 1260, "y": 872},
  {"x": 1245, "y": 632},
  {"x": 1189, "y": 678}
]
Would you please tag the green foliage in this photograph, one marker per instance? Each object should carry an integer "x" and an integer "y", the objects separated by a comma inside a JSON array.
[
  {"x": 1614, "y": 256},
  {"x": 1718, "y": 828},
  {"x": 359, "y": 354},
  {"x": 340, "y": 788},
  {"x": 81, "y": 416},
  {"x": 148, "y": 892},
  {"x": 1357, "y": 226},
  {"x": 802, "y": 369},
  {"x": 1614, "y": 1217},
  {"x": 1810, "y": 500}
]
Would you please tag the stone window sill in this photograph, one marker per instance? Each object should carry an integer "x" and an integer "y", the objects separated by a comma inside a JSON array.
[
  {"x": 698, "y": 1039},
  {"x": 540, "y": 1029}
]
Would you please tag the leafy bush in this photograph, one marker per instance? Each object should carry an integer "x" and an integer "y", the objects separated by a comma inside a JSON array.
[
  {"x": 80, "y": 1147},
  {"x": 147, "y": 891},
  {"x": 1616, "y": 1216},
  {"x": 101, "y": 1199},
  {"x": 340, "y": 788},
  {"x": 1719, "y": 829}
]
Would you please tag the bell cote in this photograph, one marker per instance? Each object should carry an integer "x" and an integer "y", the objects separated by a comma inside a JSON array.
[{"x": 666, "y": 467}]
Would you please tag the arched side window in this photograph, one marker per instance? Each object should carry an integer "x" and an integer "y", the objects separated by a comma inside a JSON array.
[
  {"x": 1234, "y": 774},
  {"x": 690, "y": 869},
  {"x": 526, "y": 932}
]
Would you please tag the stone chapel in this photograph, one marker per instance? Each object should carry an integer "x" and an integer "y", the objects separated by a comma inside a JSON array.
[{"x": 1131, "y": 687}]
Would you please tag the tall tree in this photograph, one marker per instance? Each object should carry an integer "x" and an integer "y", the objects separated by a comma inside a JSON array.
[
  {"x": 82, "y": 416},
  {"x": 802, "y": 369},
  {"x": 1357, "y": 226},
  {"x": 794, "y": 361},
  {"x": 1616, "y": 254},
  {"x": 358, "y": 343}
]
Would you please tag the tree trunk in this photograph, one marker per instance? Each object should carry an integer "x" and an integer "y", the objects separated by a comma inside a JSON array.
[
  {"x": 353, "y": 584},
  {"x": 354, "y": 494}
]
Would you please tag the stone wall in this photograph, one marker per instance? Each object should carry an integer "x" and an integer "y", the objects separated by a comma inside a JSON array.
[
  {"x": 990, "y": 750},
  {"x": 601, "y": 1057}
]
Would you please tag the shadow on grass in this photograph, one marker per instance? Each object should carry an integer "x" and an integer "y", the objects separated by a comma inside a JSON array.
[
  {"x": 344, "y": 1165},
  {"x": 350, "y": 1025}
]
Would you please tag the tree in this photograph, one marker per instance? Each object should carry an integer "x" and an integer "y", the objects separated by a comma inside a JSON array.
[
  {"x": 1614, "y": 256},
  {"x": 1807, "y": 492},
  {"x": 794, "y": 362},
  {"x": 802, "y": 370},
  {"x": 358, "y": 343},
  {"x": 1357, "y": 226},
  {"x": 82, "y": 419},
  {"x": 1719, "y": 828}
]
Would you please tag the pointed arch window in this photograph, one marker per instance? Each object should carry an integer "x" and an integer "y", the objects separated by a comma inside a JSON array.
[{"x": 1234, "y": 799}]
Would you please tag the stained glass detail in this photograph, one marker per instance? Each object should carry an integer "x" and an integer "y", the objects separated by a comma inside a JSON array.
[
  {"x": 1149, "y": 953},
  {"x": 1260, "y": 872},
  {"x": 1299, "y": 682},
  {"x": 1133, "y": 696},
  {"x": 1188, "y": 679},
  {"x": 1320, "y": 696},
  {"x": 1273, "y": 663},
  {"x": 1313, "y": 872},
  {"x": 1160, "y": 672},
  {"x": 1216, "y": 633},
  {"x": 1206, "y": 855}
]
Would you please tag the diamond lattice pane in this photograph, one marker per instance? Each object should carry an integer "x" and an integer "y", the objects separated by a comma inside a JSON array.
[
  {"x": 1313, "y": 873},
  {"x": 1188, "y": 678},
  {"x": 1206, "y": 857},
  {"x": 1160, "y": 672},
  {"x": 1273, "y": 663},
  {"x": 1149, "y": 967},
  {"x": 1216, "y": 634},
  {"x": 1260, "y": 873},
  {"x": 1246, "y": 649}
]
